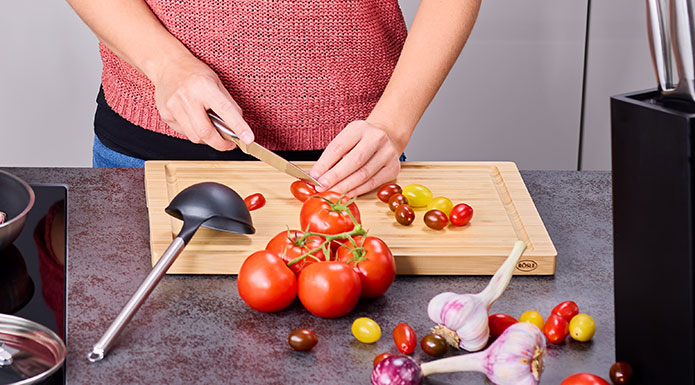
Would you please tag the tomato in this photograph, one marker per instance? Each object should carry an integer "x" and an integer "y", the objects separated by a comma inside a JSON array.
[
  {"x": 254, "y": 201},
  {"x": 302, "y": 340},
  {"x": 404, "y": 215},
  {"x": 381, "y": 357},
  {"x": 417, "y": 194},
  {"x": 435, "y": 219},
  {"x": 397, "y": 200},
  {"x": 621, "y": 373},
  {"x": 302, "y": 190},
  {"x": 366, "y": 330},
  {"x": 532, "y": 317},
  {"x": 582, "y": 327},
  {"x": 584, "y": 379},
  {"x": 434, "y": 345},
  {"x": 372, "y": 261},
  {"x": 329, "y": 289},
  {"x": 320, "y": 216},
  {"x": 404, "y": 337},
  {"x": 555, "y": 329},
  {"x": 387, "y": 190},
  {"x": 566, "y": 310},
  {"x": 461, "y": 214},
  {"x": 265, "y": 283},
  {"x": 442, "y": 204},
  {"x": 288, "y": 245},
  {"x": 499, "y": 322}
]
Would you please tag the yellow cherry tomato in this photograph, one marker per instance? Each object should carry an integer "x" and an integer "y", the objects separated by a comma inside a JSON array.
[
  {"x": 582, "y": 327},
  {"x": 366, "y": 330},
  {"x": 442, "y": 204},
  {"x": 417, "y": 194},
  {"x": 533, "y": 317}
]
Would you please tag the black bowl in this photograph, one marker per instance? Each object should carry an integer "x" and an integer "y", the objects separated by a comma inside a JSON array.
[{"x": 16, "y": 199}]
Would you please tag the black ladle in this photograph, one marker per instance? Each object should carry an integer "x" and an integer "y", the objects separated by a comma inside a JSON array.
[{"x": 208, "y": 204}]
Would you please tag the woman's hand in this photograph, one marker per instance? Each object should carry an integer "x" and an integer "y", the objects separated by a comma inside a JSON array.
[
  {"x": 361, "y": 158},
  {"x": 185, "y": 90}
]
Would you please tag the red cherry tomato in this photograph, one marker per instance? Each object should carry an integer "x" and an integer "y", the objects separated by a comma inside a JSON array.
[
  {"x": 302, "y": 190},
  {"x": 254, "y": 201},
  {"x": 566, "y": 310},
  {"x": 404, "y": 214},
  {"x": 556, "y": 329},
  {"x": 584, "y": 379},
  {"x": 436, "y": 219},
  {"x": 621, "y": 373},
  {"x": 373, "y": 262},
  {"x": 499, "y": 322},
  {"x": 319, "y": 216},
  {"x": 387, "y": 190},
  {"x": 329, "y": 289},
  {"x": 397, "y": 200},
  {"x": 461, "y": 214},
  {"x": 404, "y": 337},
  {"x": 288, "y": 245},
  {"x": 381, "y": 357},
  {"x": 265, "y": 283}
]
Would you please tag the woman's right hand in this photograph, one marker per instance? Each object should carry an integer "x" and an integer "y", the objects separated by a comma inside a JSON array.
[{"x": 184, "y": 90}]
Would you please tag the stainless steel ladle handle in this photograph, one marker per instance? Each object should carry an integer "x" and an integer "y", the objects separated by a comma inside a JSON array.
[{"x": 146, "y": 287}]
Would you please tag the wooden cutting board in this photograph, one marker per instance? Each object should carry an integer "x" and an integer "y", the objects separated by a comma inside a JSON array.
[{"x": 503, "y": 213}]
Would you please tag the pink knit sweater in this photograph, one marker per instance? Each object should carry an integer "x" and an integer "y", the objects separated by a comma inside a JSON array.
[{"x": 299, "y": 69}]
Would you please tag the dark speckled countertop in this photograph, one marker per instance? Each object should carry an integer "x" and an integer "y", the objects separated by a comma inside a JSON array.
[{"x": 196, "y": 329}]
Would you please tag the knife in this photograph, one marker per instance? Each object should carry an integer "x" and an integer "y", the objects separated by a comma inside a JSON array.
[{"x": 261, "y": 153}]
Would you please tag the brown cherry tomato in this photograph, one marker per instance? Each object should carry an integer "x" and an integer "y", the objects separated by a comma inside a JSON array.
[
  {"x": 566, "y": 310},
  {"x": 302, "y": 190},
  {"x": 434, "y": 345},
  {"x": 254, "y": 201},
  {"x": 461, "y": 214},
  {"x": 302, "y": 340},
  {"x": 405, "y": 338},
  {"x": 381, "y": 357},
  {"x": 404, "y": 215},
  {"x": 499, "y": 323},
  {"x": 397, "y": 200},
  {"x": 556, "y": 329},
  {"x": 621, "y": 373},
  {"x": 436, "y": 219},
  {"x": 387, "y": 190}
]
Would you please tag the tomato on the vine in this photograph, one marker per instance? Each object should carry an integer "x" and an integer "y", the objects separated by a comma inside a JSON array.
[
  {"x": 265, "y": 283},
  {"x": 372, "y": 261},
  {"x": 254, "y": 201},
  {"x": 329, "y": 289},
  {"x": 404, "y": 337},
  {"x": 387, "y": 190},
  {"x": 302, "y": 190},
  {"x": 461, "y": 214},
  {"x": 584, "y": 379},
  {"x": 289, "y": 246},
  {"x": 320, "y": 216}
]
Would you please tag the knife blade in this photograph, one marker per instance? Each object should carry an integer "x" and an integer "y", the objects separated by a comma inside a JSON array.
[{"x": 261, "y": 153}]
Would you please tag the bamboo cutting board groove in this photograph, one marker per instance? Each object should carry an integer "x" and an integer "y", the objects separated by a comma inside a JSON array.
[{"x": 503, "y": 213}]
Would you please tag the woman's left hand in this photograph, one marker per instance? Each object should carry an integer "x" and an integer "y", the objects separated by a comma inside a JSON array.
[{"x": 361, "y": 158}]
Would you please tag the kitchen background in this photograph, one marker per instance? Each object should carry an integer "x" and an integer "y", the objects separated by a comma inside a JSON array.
[{"x": 532, "y": 84}]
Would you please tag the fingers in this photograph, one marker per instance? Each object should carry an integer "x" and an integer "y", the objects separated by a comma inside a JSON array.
[
  {"x": 230, "y": 112},
  {"x": 204, "y": 129},
  {"x": 388, "y": 173},
  {"x": 360, "y": 175},
  {"x": 336, "y": 149}
]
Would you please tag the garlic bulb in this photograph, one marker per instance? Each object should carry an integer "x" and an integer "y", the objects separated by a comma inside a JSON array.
[{"x": 462, "y": 319}]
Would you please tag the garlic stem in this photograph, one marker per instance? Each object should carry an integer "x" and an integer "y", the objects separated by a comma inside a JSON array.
[
  {"x": 472, "y": 362},
  {"x": 503, "y": 275}
]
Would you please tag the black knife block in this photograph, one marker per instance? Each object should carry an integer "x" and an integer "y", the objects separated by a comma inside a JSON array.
[{"x": 653, "y": 201}]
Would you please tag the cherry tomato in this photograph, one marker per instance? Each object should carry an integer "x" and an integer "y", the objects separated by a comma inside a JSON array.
[
  {"x": 387, "y": 190},
  {"x": 397, "y": 200},
  {"x": 329, "y": 289},
  {"x": 442, "y": 204},
  {"x": 302, "y": 190},
  {"x": 302, "y": 340},
  {"x": 499, "y": 322},
  {"x": 584, "y": 379},
  {"x": 372, "y": 261},
  {"x": 265, "y": 283},
  {"x": 254, "y": 201},
  {"x": 435, "y": 219},
  {"x": 417, "y": 194},
  {"x": 366, "y": 330},
  {"x": 566, "y": 310},
  {"x": 582, "y": 327},
  {"x": 434, "y": 345},
  {"x": 404, "y": 215},
  {"x": 319, "y": 216},
  {"x": 532, "y": 317},
  {"x": 289, "y": 245},
  {"x": 405, "y": 338},
  {"x": 555, "y": 329},
  {"x": 381, "y": 357},
  {"x": 461, "y": 214},
  {"x": 621, "y": 373}
]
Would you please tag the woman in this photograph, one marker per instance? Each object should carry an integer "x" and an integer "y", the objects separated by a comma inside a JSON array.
[{"x": 298, "y": 76}]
